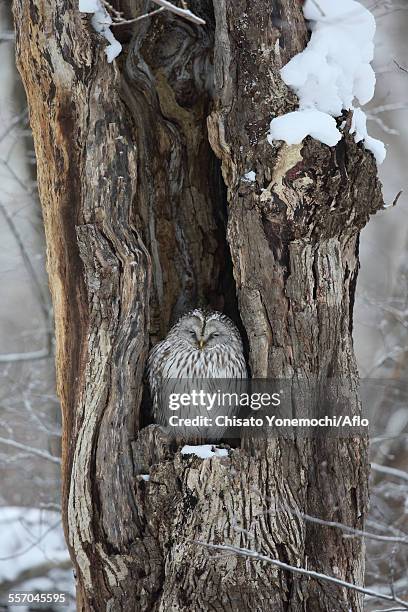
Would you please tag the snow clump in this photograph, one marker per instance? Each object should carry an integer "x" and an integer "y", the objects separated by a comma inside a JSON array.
[{"x": 330, "y": 74}]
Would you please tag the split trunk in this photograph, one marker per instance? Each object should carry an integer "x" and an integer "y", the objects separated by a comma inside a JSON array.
[{"x": 148, "y": 211}]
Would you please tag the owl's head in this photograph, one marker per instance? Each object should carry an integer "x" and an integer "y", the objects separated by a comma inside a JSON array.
[{"x": 205, "y": 330}]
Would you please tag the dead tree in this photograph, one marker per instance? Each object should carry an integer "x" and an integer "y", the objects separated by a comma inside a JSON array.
[{"x": 140, "y": 167}]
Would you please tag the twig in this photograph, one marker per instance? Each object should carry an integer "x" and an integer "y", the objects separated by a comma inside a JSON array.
[
  {"x": 179, "y": 11},
  {"x": 390, "y": 471},
  {"x": 383, "y": 125},
  {"x": 32, "y": 545},
  {"x": 19, "y": 181},
  {"x": 399, "y": 66},
  {"x": 390, "y": 610},
  {"x": 14, "y": 121},
  {"x": 37, "y": 571},
  {"x": 245, "y": 552},
  {"x": 49, "y": 432},
  {"x": 389, "y": 528},
  {"x": 319, "y": 8},
  {"x": 7, "y": 36},
  {"x": 385, "y": 108},
  {"x": 352, "y": 530},
  {"x": 30, "y": 449},
  {"x": 42, "y": 299},
  {"x": 111, "y": 9},
  {"x": 120, "y": 22},
  {"x": 30, "y": 356},
  {"x": 346, "y": 528},
  {"x": 397, "y": 197}
]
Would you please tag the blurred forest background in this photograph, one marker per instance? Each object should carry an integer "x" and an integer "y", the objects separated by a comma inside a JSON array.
[{"x": 32, "y": 552}]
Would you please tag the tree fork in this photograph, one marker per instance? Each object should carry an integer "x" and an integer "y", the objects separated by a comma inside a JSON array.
[{"x": 134, "y": 212}]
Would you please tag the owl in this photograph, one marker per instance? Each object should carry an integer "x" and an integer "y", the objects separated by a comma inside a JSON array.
[{"x": 201, "y": 346}]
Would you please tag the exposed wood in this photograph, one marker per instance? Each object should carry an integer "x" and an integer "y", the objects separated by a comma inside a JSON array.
[{"x": 135, "y": 213}]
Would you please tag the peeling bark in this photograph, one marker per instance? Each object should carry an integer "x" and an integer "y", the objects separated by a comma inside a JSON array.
[{"x": 140, "y": 225}]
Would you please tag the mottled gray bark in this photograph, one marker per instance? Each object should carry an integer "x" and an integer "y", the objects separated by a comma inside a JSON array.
[{"x": 135, "y": 210}]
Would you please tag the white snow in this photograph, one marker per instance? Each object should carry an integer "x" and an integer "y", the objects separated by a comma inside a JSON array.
[
  {"x": 89, "y": 6},
  {"x": 29, "y": 537},
  {"x": 249, "y": 177},
  {"x": 101, "y": 22},
  {"x": 359, "y": 128},
  {"x": 204, "y": 451},
  {"x": 331, "y": 74},
  {"x": 294, "y": 127}
]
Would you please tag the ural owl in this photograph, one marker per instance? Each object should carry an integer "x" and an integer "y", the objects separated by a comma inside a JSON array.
[{"x": 201, "y": 345}]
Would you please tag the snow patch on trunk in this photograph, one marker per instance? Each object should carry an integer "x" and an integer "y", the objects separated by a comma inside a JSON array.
[
  {"x": 204, "y": 451},
  {"x": 101, "y": 22}
]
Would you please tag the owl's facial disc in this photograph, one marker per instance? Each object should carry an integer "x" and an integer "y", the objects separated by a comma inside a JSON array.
[
  {"x": 213, "y": 334},
  {"x": 191, "y": 331},
  {"x": 202, "y": 335}
]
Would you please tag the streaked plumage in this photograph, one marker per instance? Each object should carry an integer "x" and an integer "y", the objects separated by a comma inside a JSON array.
[{"x": 201, "y": 345}]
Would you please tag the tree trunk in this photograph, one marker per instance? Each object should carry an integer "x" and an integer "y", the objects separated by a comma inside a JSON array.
[{"x": 141, "y": 225}]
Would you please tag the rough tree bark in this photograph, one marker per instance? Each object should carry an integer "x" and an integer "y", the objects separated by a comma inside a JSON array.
[{"x": 140, "y": 225}]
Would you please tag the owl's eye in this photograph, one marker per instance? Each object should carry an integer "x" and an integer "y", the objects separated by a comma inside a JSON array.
[
  {"x": 193, "y": 334},
  {"x": 215, "y": 334}
]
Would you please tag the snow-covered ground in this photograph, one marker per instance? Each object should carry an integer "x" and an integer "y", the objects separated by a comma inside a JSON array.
[{"x": 33, "y": 553}]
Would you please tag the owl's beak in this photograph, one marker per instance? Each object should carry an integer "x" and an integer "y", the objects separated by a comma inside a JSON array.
[{"x": 201, "y": 343}]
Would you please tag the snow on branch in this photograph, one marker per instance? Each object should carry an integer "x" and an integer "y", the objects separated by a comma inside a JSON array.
[
  {"x": 105, "y": 16},
  {"x": 330, "y": 74}
]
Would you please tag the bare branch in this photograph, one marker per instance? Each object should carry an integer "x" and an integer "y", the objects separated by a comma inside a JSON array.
[
  {"x": 389, "y": 528},
  {"x": 7, "y": 36},
  {"x": 33, "y": 544},
  {"x": 346, "y": 528},
  {"x": 36, "y": 571},
  {"x": 41, "y": 297},
  {"x": 179, "y": 11},
  {"x": 121, "y": 21},
  {"x": 383, "y": 125},
  {"x": 400, "y": 67},
  {"x": 30, "y": 449},
  {"x": 390, "y": 610},
  {"x": 385, "y": 108},
  {"x": 390, "y": 471},
  {"x": 111, "y": 10},
  {"x": 352, "y": 530},
  {"x": 319, "y": 8},
  {"x": 13, "y": 122},
  {"x": 42, "y": 427},
  {"x": 30, "y": 356},
  {"x": 118, "y": 18},
  {"x": 252, "y": 554}
]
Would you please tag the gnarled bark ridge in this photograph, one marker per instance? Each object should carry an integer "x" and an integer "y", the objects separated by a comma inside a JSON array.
[{"x": 141, "y": 225}]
